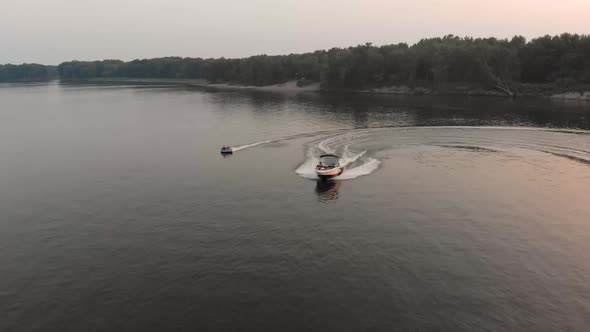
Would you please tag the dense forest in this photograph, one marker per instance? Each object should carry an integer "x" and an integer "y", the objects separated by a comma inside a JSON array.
[
  {"x": 503, "y": 65},
  {"x": 26, "y": 72}
]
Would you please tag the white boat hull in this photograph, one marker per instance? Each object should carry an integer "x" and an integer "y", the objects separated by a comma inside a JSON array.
[{"x": 327, "y": 173}]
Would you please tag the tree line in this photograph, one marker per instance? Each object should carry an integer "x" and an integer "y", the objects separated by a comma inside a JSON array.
[
  {"x": 26, "y": 72},
  {"x": 503, "y": 65}
]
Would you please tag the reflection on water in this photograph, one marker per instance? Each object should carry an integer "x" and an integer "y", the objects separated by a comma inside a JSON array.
[
  {"x": 226, "y": 155},
  {"x": 362, "y": 111},
  {"x": 327, "y": 190}
]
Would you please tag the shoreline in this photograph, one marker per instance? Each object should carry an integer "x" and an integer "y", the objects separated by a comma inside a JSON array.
[{"x": 540, "y": 91}]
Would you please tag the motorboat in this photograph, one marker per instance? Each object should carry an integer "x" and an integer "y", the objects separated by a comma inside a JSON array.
[
  {"x": 227, "y": 150},
  {"x": 329, "y": 166}
]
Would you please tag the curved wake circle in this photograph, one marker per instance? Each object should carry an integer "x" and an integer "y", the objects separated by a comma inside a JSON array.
[{"x": 361, "y": 149}]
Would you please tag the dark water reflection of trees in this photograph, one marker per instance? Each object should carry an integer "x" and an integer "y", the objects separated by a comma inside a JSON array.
[{"x": 365, "y": 110}]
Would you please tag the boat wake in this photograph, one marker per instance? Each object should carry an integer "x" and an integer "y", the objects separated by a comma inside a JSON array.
[
  {"x": 355, "y": 163},
  {"x": 286, "y": 138},
  {"x": 360, "y": 150},
  {"x": 246, "y": 146}
]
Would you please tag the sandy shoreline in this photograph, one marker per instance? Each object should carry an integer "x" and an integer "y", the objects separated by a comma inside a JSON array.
[
  {"x": 291, "y": 87},
  {"x": 583, "y": 96}
]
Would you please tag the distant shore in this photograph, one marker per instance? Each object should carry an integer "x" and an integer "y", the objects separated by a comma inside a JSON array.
[
  {"x": 538, "y": 91},
  {"x": 290, "y": 86},
  {"x": 542, "y": 91},
  {"x": 546, "y": 67}
]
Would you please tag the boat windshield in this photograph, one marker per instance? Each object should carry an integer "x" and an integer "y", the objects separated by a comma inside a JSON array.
[{"x": 329, "y": 160}]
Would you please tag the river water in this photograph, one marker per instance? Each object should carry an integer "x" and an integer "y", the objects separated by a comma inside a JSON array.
[{"x": 117, "y": 212}]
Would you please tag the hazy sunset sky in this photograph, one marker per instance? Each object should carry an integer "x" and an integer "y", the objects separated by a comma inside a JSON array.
[{"x": 50, "y": 32}]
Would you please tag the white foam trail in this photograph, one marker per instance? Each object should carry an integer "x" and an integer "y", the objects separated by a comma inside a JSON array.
[
  {"x": 365, "y": 169},
  {"x": 307, "y": 169},
  {"x": 349, "y": 157},
  {"x": 310, "y": 134},
  {"x": 242, "y": 147}
]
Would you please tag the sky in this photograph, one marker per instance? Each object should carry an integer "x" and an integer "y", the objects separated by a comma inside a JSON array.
[{"x": 53, "y": 31}]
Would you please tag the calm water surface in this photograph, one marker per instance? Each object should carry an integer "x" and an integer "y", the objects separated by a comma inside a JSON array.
[{"x": 117, "y": 212}]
